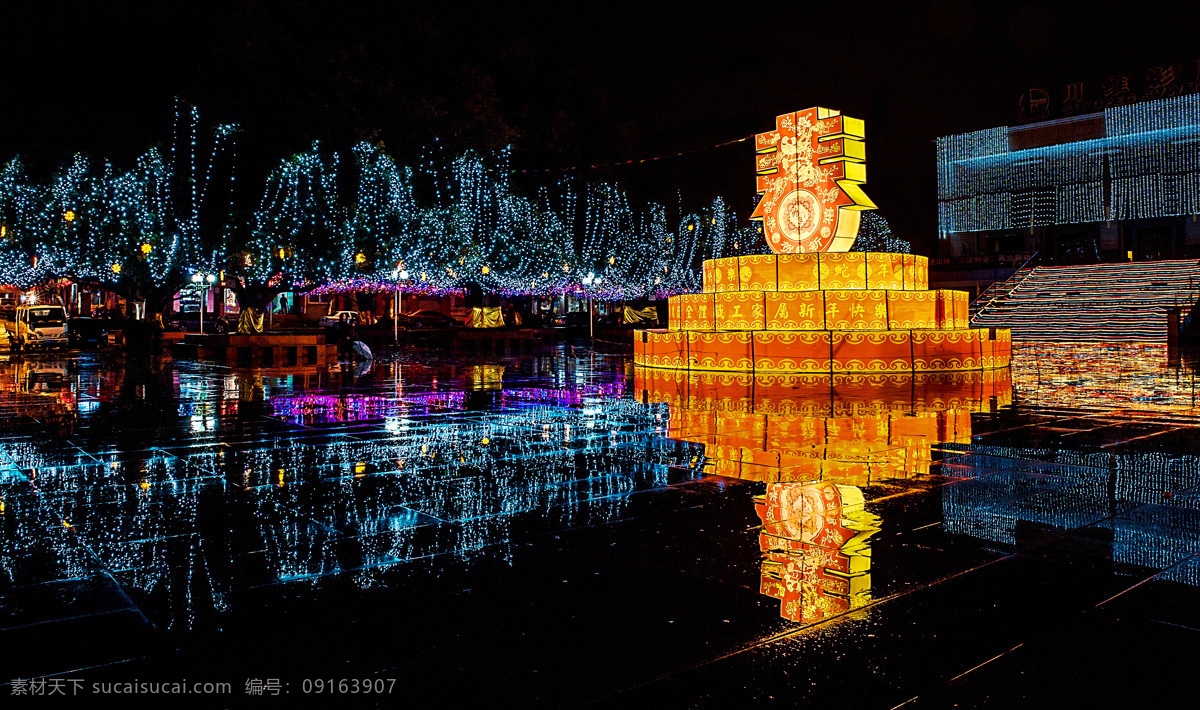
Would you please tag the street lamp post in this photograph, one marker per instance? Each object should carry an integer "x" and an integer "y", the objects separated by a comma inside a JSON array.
[
  {"x": 399, "y": 299},
  {"x": 588, "y": 281},
  {"x": 203, "y": 282}
]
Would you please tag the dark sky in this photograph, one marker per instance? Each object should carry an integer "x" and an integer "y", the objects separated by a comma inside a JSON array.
[{"x": 576, "y": 84}]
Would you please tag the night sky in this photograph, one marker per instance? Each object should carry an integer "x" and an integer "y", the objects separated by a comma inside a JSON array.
[{"x": 568, "y": 85}]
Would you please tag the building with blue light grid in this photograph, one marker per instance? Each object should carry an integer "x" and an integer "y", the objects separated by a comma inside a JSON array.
[{"x": 1119, "y": 185}]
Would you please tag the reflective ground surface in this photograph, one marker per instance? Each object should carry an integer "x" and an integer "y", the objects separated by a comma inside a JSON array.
[{"x": 559, "y": 529}]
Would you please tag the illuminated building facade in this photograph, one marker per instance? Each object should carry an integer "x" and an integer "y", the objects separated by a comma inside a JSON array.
[{"x": 1117, "y": 185}]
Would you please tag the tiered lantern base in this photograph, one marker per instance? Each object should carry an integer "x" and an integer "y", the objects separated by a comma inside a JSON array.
[{"x": 821, "y": 313}]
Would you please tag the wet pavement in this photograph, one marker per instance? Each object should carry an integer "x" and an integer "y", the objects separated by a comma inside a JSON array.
[{"x": 560, "y": 529}]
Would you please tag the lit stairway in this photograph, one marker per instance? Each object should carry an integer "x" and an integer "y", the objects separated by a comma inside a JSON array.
[
  {"x": 1000, "y": 289},
  {"x": 1092, "y": 303}
]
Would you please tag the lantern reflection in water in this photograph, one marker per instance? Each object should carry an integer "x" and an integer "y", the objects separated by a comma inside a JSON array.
[
  {"x": 816, "y": 440},
  {"x": 814, "y": 538}
]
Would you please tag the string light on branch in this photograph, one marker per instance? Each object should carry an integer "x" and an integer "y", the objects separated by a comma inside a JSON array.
[
  {"x": 875, "y": 235},
  {"x": 333, "y": 221}
]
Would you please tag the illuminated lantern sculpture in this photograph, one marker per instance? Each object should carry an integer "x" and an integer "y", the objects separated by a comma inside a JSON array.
[
  {"x": 812, "y": 306},
  {"x": 817, "y": 370},
  {"x": 810, "y": 169}
]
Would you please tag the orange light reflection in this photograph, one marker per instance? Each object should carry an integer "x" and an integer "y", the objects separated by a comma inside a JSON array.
[{"x": 816, "y": 440}]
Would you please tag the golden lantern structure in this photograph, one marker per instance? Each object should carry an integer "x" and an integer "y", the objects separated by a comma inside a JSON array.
[{"x": 812, "y": 306}]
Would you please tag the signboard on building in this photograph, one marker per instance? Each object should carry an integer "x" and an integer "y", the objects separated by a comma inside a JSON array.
[{"x": 1039, "y": 103}]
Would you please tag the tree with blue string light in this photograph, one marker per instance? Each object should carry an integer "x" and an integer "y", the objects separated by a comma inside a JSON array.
[
  {"x": 328, "y": 221},
  {"x": 139, "y": 232}
]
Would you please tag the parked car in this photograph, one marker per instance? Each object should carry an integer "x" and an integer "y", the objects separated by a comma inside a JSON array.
[
  {"x": 427, "y": 319},
  {"x": 189, "y": 322},
  {"x": 107, "y": 313},
  {"x": 38, "y": 326},
  {"x": 84, "y": 330},
  {"x": 332, "y": 319},
  {"x": 613, "y": 320},
  {"x": 532, "y": 320},
  {"x": 574, "y": 319}
]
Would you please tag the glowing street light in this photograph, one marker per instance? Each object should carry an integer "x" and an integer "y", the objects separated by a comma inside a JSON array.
[
  {"x": 203, "y": 282},
  {"x": 588, "y": 281},
  {"x": 402, "y": 275}
]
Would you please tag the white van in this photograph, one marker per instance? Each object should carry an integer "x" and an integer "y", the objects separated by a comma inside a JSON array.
[{"x": 39, "y": 326}]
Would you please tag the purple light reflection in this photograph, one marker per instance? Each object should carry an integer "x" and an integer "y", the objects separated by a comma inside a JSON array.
[{"x": 327, "y": 408}]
